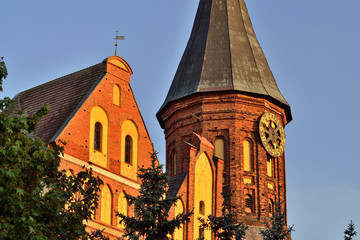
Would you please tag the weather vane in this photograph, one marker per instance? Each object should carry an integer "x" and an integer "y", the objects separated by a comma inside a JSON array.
[{"x": 116, "y": 39}]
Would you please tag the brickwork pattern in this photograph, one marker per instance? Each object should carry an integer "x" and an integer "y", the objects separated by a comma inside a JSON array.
[{"x": 234, "y": 117}]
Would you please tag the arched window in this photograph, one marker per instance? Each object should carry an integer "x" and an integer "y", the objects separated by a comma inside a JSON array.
[
  {"x": 249, "y": 204},
  {"x": 271, "y": 207},
  {"x": 116, "y": 95},
  {"x": 106, "y": 205},
  {"x": 122, "y": 208},
  {"x": 202, "y": 208},
  {"x": 97, "y": 136},
  {"x": 247, "y": 156},
  {"x": 270, "y": 163},
  {"x": 128, "y": 149},
  {"x": 220, "y": 148},
  {"x": 203, "y": 193},
  {"x": 173, "y": 163},
  {"x": 179, "y": 232}
]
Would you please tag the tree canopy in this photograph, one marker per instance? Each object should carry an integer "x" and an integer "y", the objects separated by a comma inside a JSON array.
[
  {"x": 151, "y": 207},
  {"x": 276, "y": 228},
  {"x": 226, "y": 226},
  {"x": 350, "y": 232}
]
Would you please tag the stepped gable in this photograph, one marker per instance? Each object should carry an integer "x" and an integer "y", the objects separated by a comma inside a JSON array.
[
  {"x": 223, "y": 54},
  {"x": 64, "y": 95}
]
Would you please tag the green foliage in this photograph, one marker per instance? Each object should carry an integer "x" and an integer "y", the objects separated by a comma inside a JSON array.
[
  {"x": 3, "y": 72},
  {"x": 350, "y": 232},
  {"x": 276, "y": 228},
  {"x": 37, "y": 201},
  {"x": 225, "y": 227},
  {"x": 151, "y": 206}
]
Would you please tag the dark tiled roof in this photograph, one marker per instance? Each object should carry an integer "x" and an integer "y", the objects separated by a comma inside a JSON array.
[
  {"x": 64, "y": 94},
  {"x": 175, "y": 182},
  {"x": 223, "y": 54}
]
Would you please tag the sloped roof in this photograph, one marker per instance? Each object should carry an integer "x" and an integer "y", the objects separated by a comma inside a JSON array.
[
  {"x": 223, "y": 54},
  {"x": 64, "y": 95},
  {"x": 175, "y": 182}
]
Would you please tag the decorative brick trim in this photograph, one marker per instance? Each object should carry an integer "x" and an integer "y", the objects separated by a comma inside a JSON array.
[{"x": 101, "y": 171}]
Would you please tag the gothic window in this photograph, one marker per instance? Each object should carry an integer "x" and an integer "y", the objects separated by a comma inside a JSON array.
[
  {"x": 179, "y": 232},
  {"x": 106, "y": 205},
  {"x": 220, "y": 148},
  {"x": 122, "y": 208},
  {"x": 247, "y": 154},
  {"x": 249, "y": 204},
  {"x": 128, "y": 149},
  {"x": 97, "y": 136}
]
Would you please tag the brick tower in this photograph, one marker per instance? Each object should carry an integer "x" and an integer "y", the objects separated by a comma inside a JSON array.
[{"x": 223, "y": 120}]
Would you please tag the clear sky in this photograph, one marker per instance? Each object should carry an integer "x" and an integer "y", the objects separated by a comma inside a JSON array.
[{"x": 313, "y": 49}]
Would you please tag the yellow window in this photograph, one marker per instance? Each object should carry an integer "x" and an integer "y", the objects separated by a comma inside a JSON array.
[
  {"x": 179, "y": 232},
  {"x": 270, "y": 162},
  {"x": 122, "y": 208},
  {"x": 106, "y": 205},
  {"x": 117, "y": 95},
  {"x": 129, "y": 149},
  {"x": 203, "y": 193},
  {"x": 247, "y": 156},
  {"x": 98, "y": 137}
]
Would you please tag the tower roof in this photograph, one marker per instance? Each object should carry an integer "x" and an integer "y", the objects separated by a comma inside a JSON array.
[{"x": 223, "y": 54}]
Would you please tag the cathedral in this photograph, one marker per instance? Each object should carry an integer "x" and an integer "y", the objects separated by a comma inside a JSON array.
[{"x": 223, "y": 119}]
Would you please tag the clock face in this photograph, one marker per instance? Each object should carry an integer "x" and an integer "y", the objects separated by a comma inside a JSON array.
[{"x": 272, "y": 134}]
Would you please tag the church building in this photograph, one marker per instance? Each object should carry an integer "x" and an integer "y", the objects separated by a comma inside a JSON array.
[
  {"x": 223, "y": 119},
  {"x": 95, "y": 112}
]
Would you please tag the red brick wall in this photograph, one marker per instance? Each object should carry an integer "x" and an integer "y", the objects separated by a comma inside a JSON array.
[
  {"x": 76, "y": 133},
  {"x": 234, "y": 117}
]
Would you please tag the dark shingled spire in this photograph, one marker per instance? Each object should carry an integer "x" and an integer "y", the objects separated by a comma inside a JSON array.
[{"x": 223, "y": 54}]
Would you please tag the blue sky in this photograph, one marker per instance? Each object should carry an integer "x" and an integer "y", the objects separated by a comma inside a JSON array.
[{"x": 312, "y": 48}]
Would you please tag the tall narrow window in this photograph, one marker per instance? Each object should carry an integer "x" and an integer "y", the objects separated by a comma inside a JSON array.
[
  {"x": 106, "y": 205},
  {"x": 270, "y": 162},
  {"x": 271, "y": 208},
  {"x": 122, "y": 208},
  {"x": 116, "y": 95},
  {"x": 128, "y": 149},
  {"x": 201, "y": 233},
  {"x": 249, "y": 206},
  {"x": 97, "y": 136},
  {"x": 247, "y": 156},
  {"x": 219, "y": 148},
  {"x": 202, "y": 208}
]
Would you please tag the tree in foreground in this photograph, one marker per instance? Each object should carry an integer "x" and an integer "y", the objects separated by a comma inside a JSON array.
[
  {"x": 38, "y": 201},
  {"x": 276, "y": 228},
  {"x": 151, "y": 207},
  {"x": 350, "y": 232},
  {"x": 225, "y": 227}
]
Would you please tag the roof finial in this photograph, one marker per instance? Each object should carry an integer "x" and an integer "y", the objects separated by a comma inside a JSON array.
[{"x": 118, "y": 38}]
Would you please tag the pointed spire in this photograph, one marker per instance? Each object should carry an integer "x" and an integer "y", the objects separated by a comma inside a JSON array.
[{"x": 223, "y": 54}]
